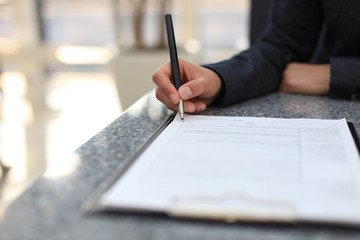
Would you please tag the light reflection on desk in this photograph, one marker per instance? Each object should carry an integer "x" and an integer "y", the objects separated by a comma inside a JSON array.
[{"x": 36, "y": 136}]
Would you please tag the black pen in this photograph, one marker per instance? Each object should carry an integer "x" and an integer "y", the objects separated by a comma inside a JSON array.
[{"x": 174, "y": 60}]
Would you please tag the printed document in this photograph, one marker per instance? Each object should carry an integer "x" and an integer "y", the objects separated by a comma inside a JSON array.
[{"x": 251, "y": 168}]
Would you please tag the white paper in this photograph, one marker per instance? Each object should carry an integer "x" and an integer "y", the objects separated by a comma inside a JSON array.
[{"x": 308, "y": 164}]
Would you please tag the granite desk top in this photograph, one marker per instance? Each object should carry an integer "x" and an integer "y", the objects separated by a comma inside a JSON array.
[{"x": 51, "y": 207}]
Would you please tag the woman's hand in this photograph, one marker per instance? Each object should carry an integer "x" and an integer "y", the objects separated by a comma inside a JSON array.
[
  {"x": 199, "y": 88},
  {"x": 306, "y": 79}
]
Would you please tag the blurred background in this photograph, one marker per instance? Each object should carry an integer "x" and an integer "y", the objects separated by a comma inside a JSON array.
[{"x": 68, "y": 68}]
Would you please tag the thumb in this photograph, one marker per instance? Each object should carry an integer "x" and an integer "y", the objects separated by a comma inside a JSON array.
[{"x": 192, "y": 89}]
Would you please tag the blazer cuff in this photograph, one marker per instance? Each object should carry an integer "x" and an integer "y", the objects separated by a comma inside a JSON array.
[{"x": 345, "y": 77}]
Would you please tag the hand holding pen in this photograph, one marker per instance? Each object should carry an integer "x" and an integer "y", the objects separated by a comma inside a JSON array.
[{"x": 200, "y": 86}]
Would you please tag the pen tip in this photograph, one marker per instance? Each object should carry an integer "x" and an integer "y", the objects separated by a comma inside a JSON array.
[{"x": 182, "y": 117}]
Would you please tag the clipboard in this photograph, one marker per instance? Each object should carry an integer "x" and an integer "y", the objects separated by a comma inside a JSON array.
[
  {"x": 215, "y": 207},
  {"x": 91, "y": 203},
  {"x": 354, "y": 135}
]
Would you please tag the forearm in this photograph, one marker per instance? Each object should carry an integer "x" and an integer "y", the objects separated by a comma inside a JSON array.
[
  {"x": 247, "y": 75},
  {"x": 289, "y": 38}
]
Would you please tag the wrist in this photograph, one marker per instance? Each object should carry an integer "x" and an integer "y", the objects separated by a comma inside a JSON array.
[{"x": 217, "y": 86}]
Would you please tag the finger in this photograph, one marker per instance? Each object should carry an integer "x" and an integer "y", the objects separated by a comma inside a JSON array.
[
  {"x": 165, "y": 99},
  {"x": 189, "y": 107},
  {"x": 192, "y": 89},
  {"x": 165, "y": 86},
  {"x": 199, "y": 106},
  {"x": 194, "y": 106}
]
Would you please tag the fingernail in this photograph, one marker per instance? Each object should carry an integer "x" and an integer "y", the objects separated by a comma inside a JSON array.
[
  {"x": 188, "y": 91},
  {"x": 172, "y": 98},
  {"x": 185, "y": 92}
]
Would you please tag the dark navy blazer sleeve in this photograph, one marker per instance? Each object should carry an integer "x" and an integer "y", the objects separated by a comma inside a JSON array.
[
  {"x": 291, "y": 36},
  {"x": 345, "y": 77}
]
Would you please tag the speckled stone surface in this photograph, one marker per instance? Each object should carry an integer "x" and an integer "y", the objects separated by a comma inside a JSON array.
[{"x": 51, "y": 206}]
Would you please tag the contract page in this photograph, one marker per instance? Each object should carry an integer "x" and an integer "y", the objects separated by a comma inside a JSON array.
[{"x": 311, "y": 166}]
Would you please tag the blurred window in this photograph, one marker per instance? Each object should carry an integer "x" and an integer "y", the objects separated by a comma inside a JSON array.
[
  {"x": 5, "y": 19},
  {"x": 77, "y": 22},
  {"x": 215, "y": 24}
]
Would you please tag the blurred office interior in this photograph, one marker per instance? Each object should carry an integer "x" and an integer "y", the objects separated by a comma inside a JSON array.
[{"x": 68, "y": 68}]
